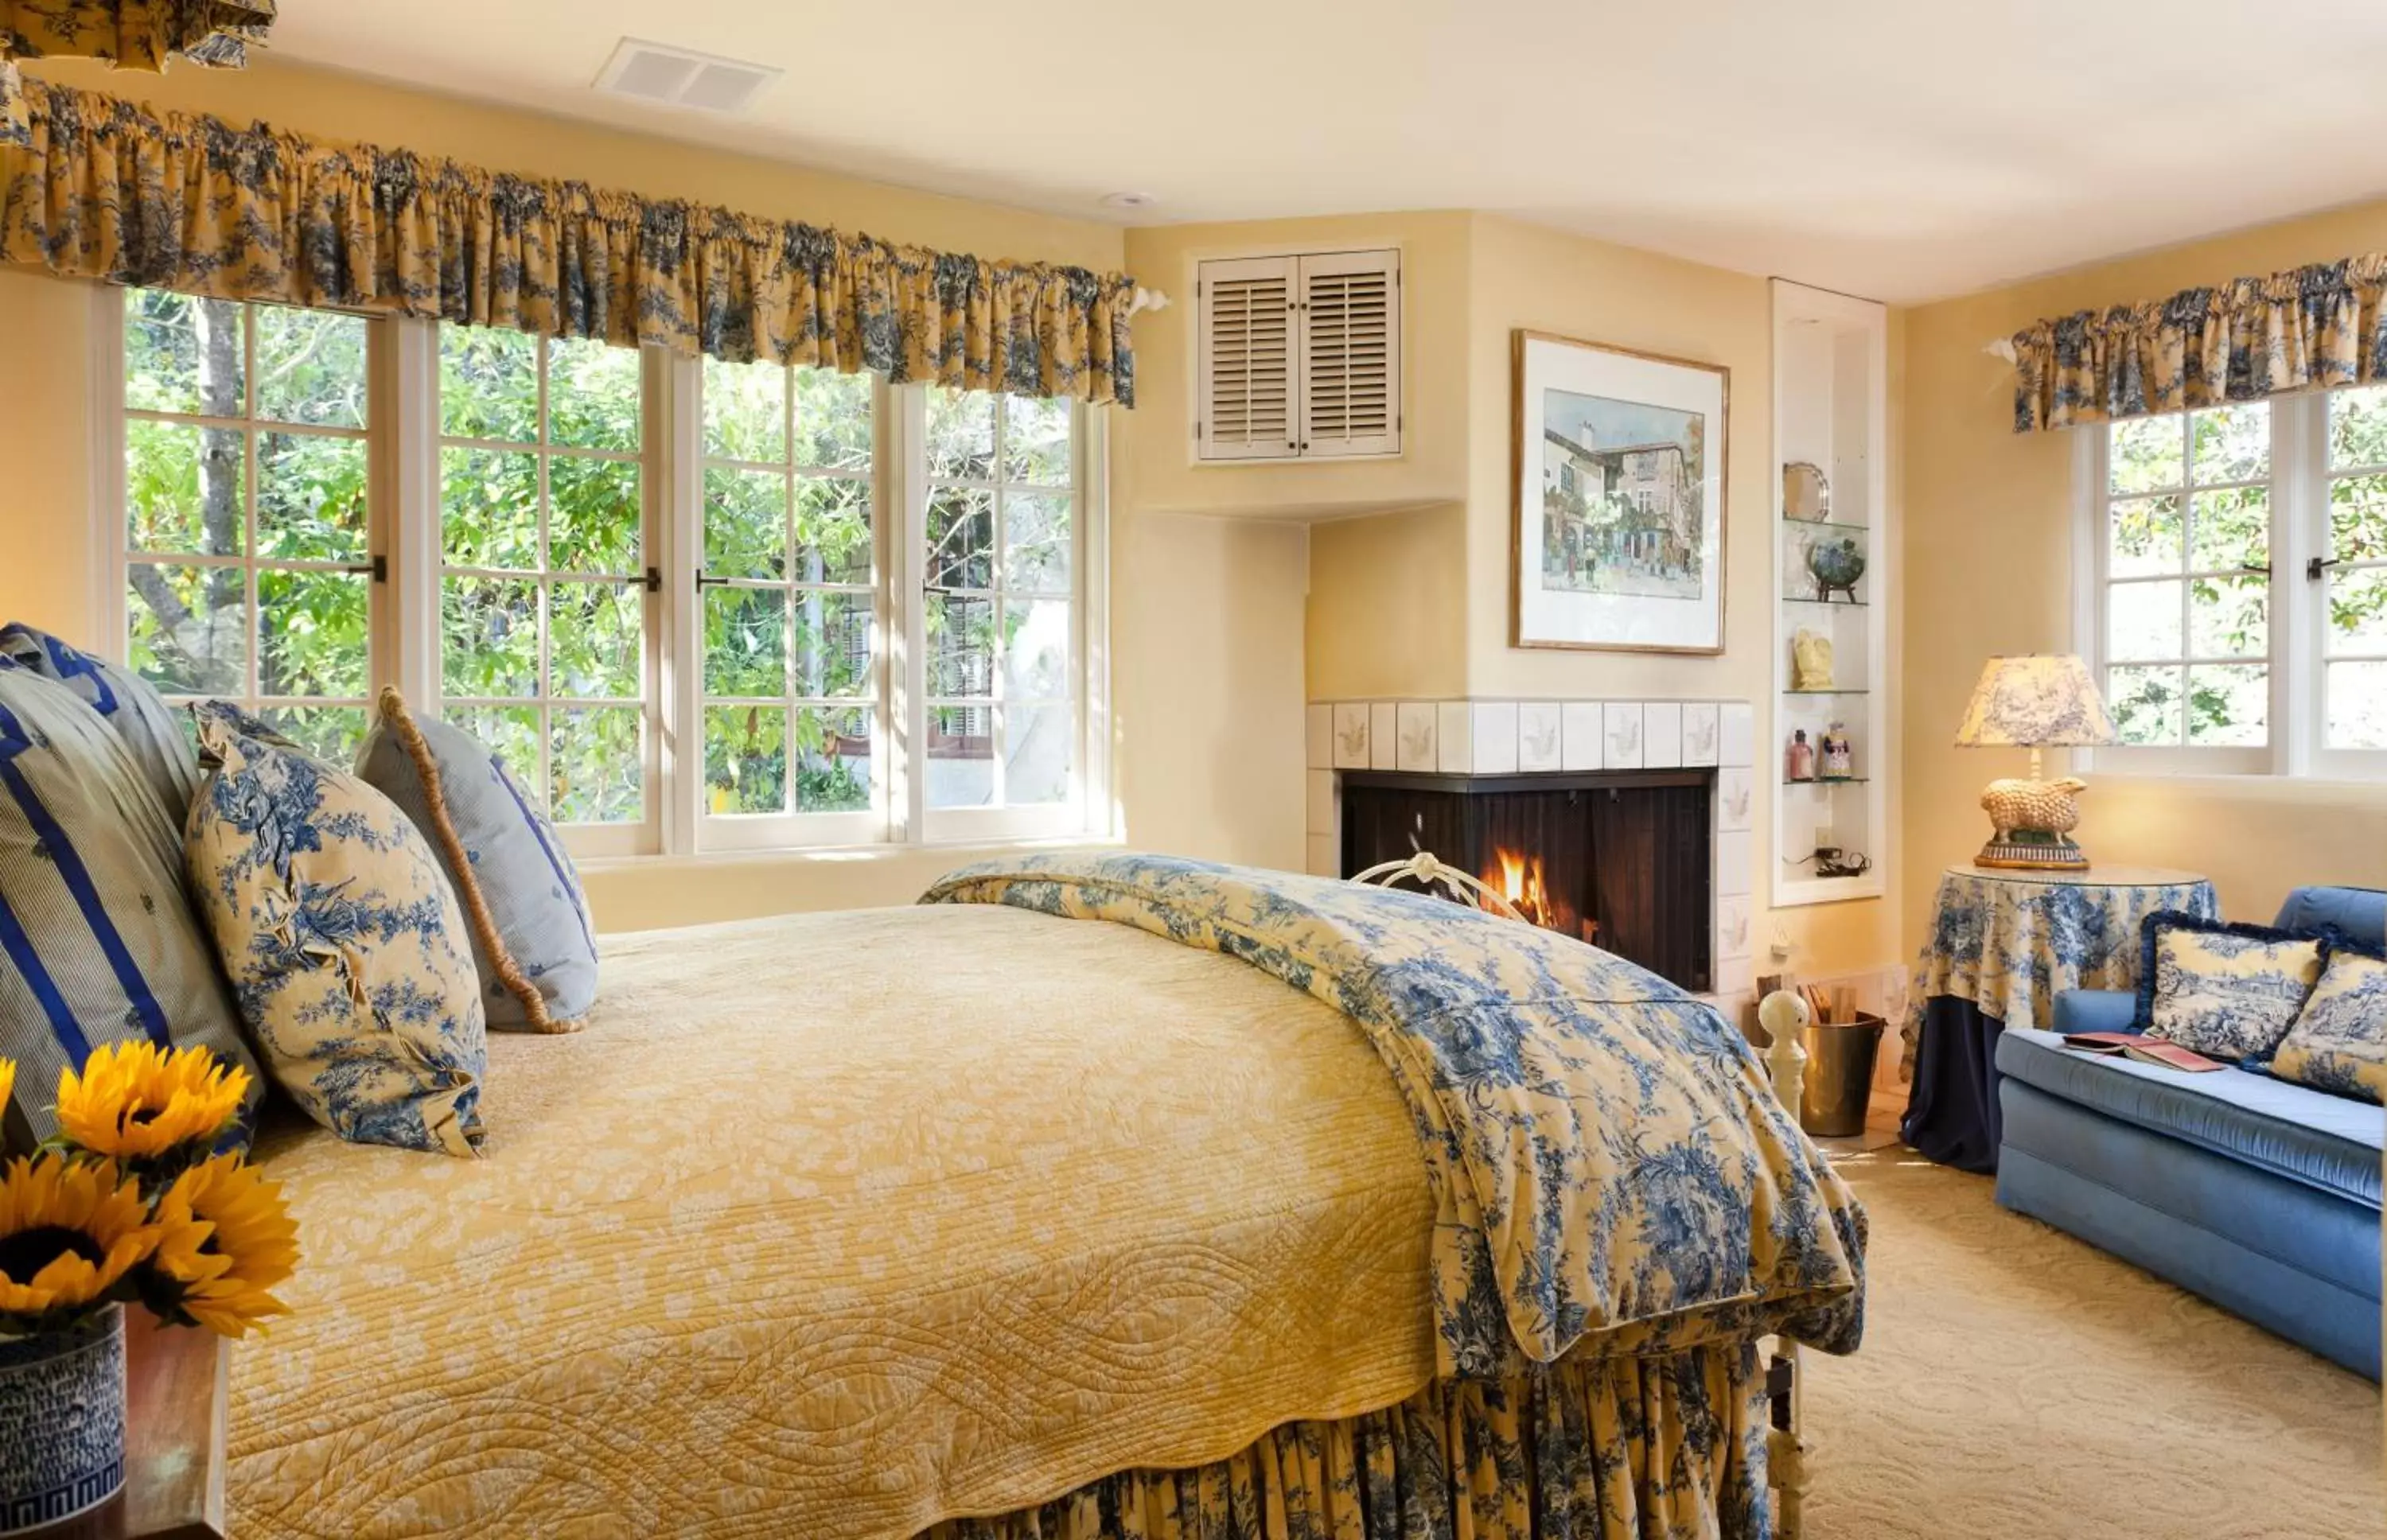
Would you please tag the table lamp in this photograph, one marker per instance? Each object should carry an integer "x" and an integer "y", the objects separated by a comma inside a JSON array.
[{"x": 2044, "y": 700}]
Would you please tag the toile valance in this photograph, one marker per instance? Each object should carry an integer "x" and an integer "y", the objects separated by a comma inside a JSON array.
[
  {"x": 106, "y": 189},
  {"x": 133, "y": 34},
  {"x": 2310, "y": 327}
]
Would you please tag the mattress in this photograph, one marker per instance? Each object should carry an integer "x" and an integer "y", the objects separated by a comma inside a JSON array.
[{"x": 838, "y": 1225}]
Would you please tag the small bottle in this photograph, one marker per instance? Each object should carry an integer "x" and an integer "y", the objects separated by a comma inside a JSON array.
[
  {"x": 1801, "y": 762},
  {"x": 1839, "y": 758}
]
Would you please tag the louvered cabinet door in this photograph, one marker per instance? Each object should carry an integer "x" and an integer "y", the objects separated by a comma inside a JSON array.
[
  {"x": 1350, "y": 354},
  {"x": 1247, "y": 360}
]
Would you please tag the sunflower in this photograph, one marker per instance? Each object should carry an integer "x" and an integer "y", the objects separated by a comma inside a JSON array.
[
  {"x": 225, "y": 1240},
  {"x": 68, "y": 1232},
  {"x": 137, "y": 1101}
]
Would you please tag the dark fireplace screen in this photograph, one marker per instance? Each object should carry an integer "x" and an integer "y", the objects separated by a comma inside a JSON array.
[{"x": 1618, "y": 857}]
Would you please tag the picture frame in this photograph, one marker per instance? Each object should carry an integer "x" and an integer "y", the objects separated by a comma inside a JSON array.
[{"x": 1618, "y": 513}]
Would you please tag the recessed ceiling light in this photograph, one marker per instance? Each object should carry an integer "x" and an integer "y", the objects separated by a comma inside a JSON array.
[{"x": 1131, "y": 200}]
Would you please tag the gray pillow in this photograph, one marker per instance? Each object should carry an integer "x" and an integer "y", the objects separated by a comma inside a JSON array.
[
  {"x": 532, "y": 939},
  {"x": 97, "y": 944},
  {"x": 151, "y": 731}
]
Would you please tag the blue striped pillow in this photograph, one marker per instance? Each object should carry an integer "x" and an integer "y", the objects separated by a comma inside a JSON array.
[
  {"x": 98, "y": 942},
  {"x": 134, "y": 710}
]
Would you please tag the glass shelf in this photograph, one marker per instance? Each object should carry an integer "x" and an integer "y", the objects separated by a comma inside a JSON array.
[
  {"x": 1829, "y": 780},
  {"x": 1827, "y": 692},
  {"x": 1830, "y": 604},
  {"x": 1827, "y": 524}
]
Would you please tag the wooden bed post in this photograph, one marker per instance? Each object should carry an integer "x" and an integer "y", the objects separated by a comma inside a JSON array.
[{"x": 1785, "y": 1017}]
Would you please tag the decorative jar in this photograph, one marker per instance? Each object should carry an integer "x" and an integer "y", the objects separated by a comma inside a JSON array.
[{"x": 61, "y": 1421}]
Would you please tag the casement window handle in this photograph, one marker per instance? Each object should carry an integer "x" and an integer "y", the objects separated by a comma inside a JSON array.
[
  {"x": 378, "y": 569},
  {"x": 2314, "y": 568}
]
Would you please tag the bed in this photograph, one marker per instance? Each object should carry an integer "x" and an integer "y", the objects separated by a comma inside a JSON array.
[{"x": 978, "y": 1218}]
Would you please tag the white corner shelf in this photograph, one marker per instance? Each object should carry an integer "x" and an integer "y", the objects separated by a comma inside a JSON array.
[{"x": 1831, "y": 365}]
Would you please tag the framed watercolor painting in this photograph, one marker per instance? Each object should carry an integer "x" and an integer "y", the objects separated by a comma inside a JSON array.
[{"x": 1619, "y": 468}]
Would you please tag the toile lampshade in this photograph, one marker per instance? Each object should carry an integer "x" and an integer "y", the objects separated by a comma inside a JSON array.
[{"x": 2041, "y": 699}]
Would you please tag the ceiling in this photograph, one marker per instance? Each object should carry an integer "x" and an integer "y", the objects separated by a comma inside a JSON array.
[{"x": 1900, "y": 149}]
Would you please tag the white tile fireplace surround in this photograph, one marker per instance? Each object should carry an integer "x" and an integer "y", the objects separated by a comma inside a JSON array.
[{"x": 1509, "y": 738}]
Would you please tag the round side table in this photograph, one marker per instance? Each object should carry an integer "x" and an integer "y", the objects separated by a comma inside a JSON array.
[{"x": 2003, "y": 944}]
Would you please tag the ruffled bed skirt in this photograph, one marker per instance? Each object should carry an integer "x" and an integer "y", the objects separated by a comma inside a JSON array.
[{"x": 1669, "y": 1449}]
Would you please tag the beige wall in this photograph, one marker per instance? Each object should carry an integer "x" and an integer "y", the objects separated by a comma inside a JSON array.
[
  {"x": 1388, "y": 605},
  {"x": 1988, "y": 569},
  {"x": 1207, "y": 615}
]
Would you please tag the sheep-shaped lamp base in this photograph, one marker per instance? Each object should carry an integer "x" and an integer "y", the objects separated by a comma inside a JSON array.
[{"x": 2032, "y": 822}]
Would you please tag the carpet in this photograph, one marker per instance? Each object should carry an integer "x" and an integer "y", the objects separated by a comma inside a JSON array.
[{"x": 2017, "y": 1383}]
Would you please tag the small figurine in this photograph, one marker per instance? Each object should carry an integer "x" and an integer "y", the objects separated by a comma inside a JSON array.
[
  {"x": 1810, "y": 662},
  {"x": 1801, "y": 765},
  {"x": 1839, "y": 758}
]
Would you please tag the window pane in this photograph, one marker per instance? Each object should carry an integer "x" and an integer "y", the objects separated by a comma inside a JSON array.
[
  {"x": 1038, "y": 746},
  {"x": 488, "y": 384},
  {"x": 331, "y": 733},
  {"x": 2357, "y": 706},
  {"x": 310, "y": 498},
  {"x": 2145, "y": 454},
  {"x": 746, "y": 642},
  {"x": 832, "y": 643},
  {"x": 311, "y": 367},
  {"x": 183, "y": 355},
  {"x": 961, "y": 539},
  {"x": 189, "y": 628},
  {"x": 2143, "y": 621},
  {"x": 2229, "y": 617},
  {"x": 597, "y": 632},
  {"x": 592, "y": 522},
  {"x": 961, "y": 755},
  {"x": 832, "y": 530},
  {"x": 2232, "y": 443},
  {"x": 745, "y": 759},
  {"x": 833, "y": 430},
  {"x": 597, "y": 766},
  {"x": 961, "y": 645},
  {"x": 746, "y": 412},
  {"x": 2357, "y": 427},
  {"x": 2229, "y": 531},
  {"x": 2357, "y": 518},
  {"x": 1036, "y": 650},
  {"x": 593, "y": 395},
  {"x": 834, "y": 753},
  {"x": 317, "y": 628},
  {"x": 2145, "y": 704},
  {"x": 185, "y": 489},
  {"x": 2357, "y": 611},
  {"x": 511, "y": 734},
  {"x": 745, "y": 523},
  {"x": 1036, "y": 541},
  {"x": 2229, "y": 705},
  {"x": 961, "y": 435},
  {"x": 489, "y": 632},
  {"x": 489, "y": 508},
  {"x": 1036, "y": 441}
]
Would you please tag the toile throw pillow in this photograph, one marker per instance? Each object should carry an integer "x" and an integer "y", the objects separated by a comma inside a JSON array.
[
  {"x": 2227, "y": 991},
  {"x": 2339, "y": 1043}
]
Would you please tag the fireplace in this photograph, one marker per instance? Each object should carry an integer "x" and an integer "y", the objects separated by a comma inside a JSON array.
[{"x": 1620, "y": 858}]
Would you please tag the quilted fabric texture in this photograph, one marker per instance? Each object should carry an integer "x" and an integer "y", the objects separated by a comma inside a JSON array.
[
  {"x": 345, "y": 948},
  {"x": 2227, "y": 991},
  {"x": 152, "y": 733},
  {"x": 835, "y": 1226},
  {"x": 97, "y": 944},
  {"x": 532, "y": 943},
  {"x": 2339, "y": 1043},
  {"x": 1608, "y": 1161}
]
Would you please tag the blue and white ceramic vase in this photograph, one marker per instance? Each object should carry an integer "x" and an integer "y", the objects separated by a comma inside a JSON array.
[{"x": 61, "y": 1421}]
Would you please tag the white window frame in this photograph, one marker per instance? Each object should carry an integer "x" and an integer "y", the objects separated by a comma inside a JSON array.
[
  {"x": 404, "y": 529},
  {"x": 2298, "y": 608}
]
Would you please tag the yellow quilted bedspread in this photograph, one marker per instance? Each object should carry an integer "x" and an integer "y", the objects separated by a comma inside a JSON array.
[{"x": 837, "y": 1225}]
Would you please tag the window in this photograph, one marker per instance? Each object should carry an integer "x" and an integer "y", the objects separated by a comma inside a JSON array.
[
  {"x": 694, "y": 606},
  {"x": 247, "y": 510},
  {"x": 543, "y": 569},
  {"x": 2239, "y": 561}
]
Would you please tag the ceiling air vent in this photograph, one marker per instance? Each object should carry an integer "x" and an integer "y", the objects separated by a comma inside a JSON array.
[{"x": 680, "y": 76}]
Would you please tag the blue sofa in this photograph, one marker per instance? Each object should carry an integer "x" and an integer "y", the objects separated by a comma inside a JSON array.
[{"x": 2259, "y": 1195}]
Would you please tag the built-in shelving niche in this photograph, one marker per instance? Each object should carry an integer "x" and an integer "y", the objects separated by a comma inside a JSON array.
[{"x": 1830, "y": 410}]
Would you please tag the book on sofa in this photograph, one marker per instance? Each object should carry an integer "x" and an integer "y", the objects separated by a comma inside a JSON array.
[{"x": 2146, "y": 1050}]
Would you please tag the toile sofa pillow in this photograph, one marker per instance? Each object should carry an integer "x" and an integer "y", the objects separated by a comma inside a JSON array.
[
  {"x": 97, "y": 944},
  {"x": 2338, "y": 1042},
  {"x": 133, "y": 710},
  {"x": 347, "y": 951},
  {"x": 2227, "y": 991},
  {"x": 532, "y": 939}
]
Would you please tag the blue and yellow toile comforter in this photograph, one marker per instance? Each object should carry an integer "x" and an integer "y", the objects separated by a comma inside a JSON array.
[{"x": 1609, "y": 1163}]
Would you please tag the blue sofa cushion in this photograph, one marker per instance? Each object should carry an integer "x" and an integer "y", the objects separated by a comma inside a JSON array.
[
  {"x": 2359, "y": 912},
  {"x": 2327, "y": 1142},
  {"x": 2096, "y": 1011}
]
